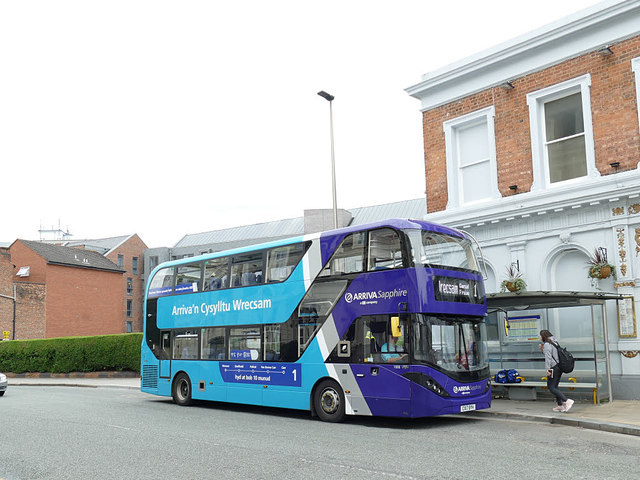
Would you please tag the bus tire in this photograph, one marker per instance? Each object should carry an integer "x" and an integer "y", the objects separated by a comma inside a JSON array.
[
  {"x": 181, "y": 390},
  {"x": 328, "y": 401}
]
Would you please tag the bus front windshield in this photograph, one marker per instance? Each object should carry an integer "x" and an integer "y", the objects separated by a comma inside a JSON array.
[
  {"x": 433, "y": 249},
  {"x": 453, "y": 344}
]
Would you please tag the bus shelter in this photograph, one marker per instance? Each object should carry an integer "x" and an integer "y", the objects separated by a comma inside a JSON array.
[{"x": 578, "y": 320}]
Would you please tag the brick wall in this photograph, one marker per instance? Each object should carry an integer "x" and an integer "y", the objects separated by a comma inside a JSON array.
[
  {"x": 23, "y": 256},
  {"x": 6, "y": 288},
  {"x": 133, "y": 247},
  {"x": 30, "y": 295},
  {"x": 30, "y": 310},
  {"x": 613, "y": 106},
  {"x": 57, "y": 300},
  {"x": 83, "y": 301}
]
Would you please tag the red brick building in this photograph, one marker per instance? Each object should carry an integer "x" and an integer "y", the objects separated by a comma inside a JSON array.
[
  {"x": 126, "y": 252},
  {"x": 6, "y": 292},
  {"x": 60, "y": 291},
  {"x": 610, "y": 82}
]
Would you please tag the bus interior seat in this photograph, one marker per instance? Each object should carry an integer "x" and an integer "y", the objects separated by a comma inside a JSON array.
[{"x": 248, "y": 278}]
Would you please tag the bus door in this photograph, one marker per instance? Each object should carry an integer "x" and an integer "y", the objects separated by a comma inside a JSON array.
[
  {"x": 385, "y": 362},
  {"x": 165, "y": 354}
]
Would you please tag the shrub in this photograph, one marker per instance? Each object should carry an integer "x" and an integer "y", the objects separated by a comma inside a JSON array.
[{"x": 72, "y": 354}]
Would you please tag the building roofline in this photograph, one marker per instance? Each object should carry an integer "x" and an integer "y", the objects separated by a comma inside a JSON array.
[
  {"x": 601, "y": 24},
  {"x": 118, "y": 245},
  {"x": 62, "y": 256}
]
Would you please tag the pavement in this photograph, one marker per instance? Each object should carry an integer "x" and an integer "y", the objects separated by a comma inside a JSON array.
[{"x": 619, "y": 416}]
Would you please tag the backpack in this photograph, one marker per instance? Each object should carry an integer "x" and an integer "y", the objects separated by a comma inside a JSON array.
[
  {"x": 566, "y": 361},
  {"x": 507, "y": 376}
]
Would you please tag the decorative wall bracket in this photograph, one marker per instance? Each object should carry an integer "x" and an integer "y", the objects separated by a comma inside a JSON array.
[{"x": 630, "y": 353}]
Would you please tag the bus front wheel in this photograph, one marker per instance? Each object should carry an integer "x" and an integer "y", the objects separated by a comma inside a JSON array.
[
  {"x": 328, "y": 401},
  {"x": 181, "y": 391}
]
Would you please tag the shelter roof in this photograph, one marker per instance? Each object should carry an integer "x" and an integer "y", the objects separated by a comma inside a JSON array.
[{"x": 547, "y": 299}]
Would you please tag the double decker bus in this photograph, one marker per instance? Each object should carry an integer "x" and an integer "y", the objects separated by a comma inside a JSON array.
[{"x": 382, "y": 319}]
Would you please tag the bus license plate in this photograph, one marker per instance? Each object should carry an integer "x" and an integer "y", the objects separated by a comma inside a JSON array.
[{"x": 468, "y": 408}]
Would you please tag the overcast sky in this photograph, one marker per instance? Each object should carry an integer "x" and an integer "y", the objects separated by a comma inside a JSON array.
[{"x": 167, "y": 118}]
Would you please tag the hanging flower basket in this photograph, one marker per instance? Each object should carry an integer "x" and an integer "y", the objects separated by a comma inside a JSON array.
[
  {"x": 601, "y": 271},
  {"x": 598, "y": 265},
  {"x": 514, "y": 281}
]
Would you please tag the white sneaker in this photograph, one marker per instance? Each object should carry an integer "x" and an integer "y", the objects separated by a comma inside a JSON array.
[
  {"x": 567, "y": 405},
  {"x": 559, "y": 408}
]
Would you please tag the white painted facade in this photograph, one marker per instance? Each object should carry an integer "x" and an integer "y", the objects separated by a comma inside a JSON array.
[{"x": 551, "y": 229}]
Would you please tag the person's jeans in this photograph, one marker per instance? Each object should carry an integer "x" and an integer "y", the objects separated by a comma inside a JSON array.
[{"x": 552, "y": 385}]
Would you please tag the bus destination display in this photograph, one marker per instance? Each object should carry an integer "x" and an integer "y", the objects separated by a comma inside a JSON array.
[{"x": 461, "y": 290}]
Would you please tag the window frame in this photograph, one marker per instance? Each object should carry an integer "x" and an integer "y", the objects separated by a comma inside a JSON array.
[
  {"x": 539, "y": 154},
  {"x": 239, "y": 261},
  {"x": 454, "y": 169},
  {"x": 177, "y": 274},
  {"x": 226, "y": 277},
  {"x": 248, "y": 333},
  {"x": 326, "y": 272},
  {"x": 371, "y": 235},
  {"x": 171, "y": 286},
  {"x": 268, "y": 260}
]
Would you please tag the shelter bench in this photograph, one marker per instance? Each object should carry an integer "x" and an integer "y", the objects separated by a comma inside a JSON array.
[{"x": 530, "y": 394}]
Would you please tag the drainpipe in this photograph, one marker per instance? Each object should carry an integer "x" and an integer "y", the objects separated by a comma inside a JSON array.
[{"x": 13, "y": 299}]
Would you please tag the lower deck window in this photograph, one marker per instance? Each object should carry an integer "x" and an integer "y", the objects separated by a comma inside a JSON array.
[
  {"x": 213, "y": 344},
  {"x": 244, "y": 344},
  {"x": 272, "y": 343},
  {"x": 185, "y": 345}
]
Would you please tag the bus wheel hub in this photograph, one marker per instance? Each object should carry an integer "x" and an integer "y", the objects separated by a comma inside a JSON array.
[{"x": 330, "y": 401}]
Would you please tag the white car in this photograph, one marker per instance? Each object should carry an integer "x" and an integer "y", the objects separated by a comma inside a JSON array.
[{"x": 3, "y": 384}]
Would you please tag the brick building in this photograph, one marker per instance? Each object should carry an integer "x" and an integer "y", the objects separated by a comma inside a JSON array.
[
  {"x": 126, "y": 252},
  {"x": 60, "y": 291},
  {"x": 533, "y": 146},
  {"x": 6, "y": 292}
]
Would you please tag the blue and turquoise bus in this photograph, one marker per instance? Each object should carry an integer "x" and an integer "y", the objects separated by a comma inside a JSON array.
[{"x": 381, "y": 319}]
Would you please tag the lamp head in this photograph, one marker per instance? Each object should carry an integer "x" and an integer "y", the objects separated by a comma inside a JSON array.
[{"x": 326, "y": 96}]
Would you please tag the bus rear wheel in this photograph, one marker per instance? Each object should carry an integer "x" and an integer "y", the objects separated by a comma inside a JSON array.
[
  {"x": 328, "y": 401},
  {"x": 181, "y": 390}
]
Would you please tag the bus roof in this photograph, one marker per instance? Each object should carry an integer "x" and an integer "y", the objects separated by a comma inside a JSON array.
[{"x": 398, "y": 224}]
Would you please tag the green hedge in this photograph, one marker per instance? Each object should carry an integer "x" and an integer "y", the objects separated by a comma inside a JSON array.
[{"x": 72, "y": 354}]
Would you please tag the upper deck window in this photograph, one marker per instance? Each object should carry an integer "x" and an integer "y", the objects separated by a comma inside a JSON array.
[
  {"x": 246, "y": 269},
  {"x": 216, "y": 274},
  {"x": 348, "y": 257},
  {"x": 162, "y": 283},
  {"x": 439, "y": 250},
  {"x": 385, "y": 249},
  {"x": 282, "y": 261},
  {"x": 188, "y": 278}
]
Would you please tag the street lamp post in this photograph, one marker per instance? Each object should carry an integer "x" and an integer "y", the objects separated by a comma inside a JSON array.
[{"x": 330, "y": 98}]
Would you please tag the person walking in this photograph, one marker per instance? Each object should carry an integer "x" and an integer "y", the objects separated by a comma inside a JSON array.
[{"x": 548, "y": 347}]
